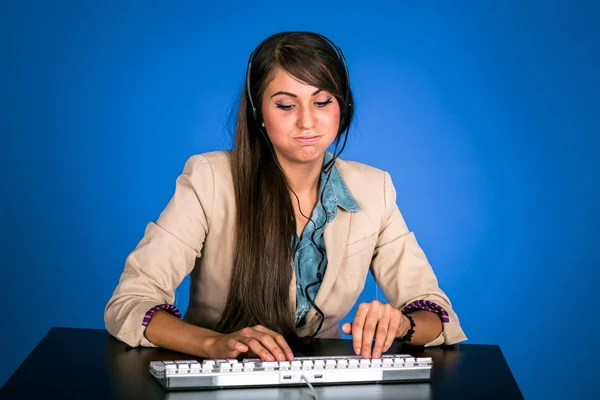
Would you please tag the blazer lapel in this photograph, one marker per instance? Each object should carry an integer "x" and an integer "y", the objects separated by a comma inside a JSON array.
[{"x": 336, "y": 237}]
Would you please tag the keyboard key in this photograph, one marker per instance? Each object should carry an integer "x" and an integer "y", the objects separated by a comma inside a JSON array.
[
  {"x": 296, "y": 365},
  {"x": 182, "y": 366},
  {"x": 171, "y": 366},
  {"x": 157, "y": 366}
]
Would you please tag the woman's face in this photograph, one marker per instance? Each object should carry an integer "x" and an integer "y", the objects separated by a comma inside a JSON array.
[{"x": 301, "y": 120}]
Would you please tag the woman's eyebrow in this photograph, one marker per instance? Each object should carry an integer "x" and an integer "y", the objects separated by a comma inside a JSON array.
[{"x": 292, "y": 94}]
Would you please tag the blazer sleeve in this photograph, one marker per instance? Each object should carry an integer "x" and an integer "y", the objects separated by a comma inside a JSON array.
[
  {"x": 403, "y": 272},
  {"x": 165, "y": 255}
]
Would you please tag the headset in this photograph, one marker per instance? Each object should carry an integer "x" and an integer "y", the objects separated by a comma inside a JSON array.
[{"x": 326, "y": 169}]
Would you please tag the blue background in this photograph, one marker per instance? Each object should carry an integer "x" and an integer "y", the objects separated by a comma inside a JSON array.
[{"x": 486, "y": 116}]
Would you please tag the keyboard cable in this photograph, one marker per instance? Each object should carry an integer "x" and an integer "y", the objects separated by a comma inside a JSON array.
[{"x": 312, "y": 389}]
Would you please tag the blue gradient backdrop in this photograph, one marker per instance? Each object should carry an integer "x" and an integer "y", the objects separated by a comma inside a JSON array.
[{"x": 486, "y": 116}]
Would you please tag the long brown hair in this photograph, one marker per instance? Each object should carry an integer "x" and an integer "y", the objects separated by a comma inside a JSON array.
[{"x": 265, "y": 220}]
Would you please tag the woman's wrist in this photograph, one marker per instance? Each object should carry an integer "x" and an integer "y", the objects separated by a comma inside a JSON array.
[{"x": 407, "y": 329}]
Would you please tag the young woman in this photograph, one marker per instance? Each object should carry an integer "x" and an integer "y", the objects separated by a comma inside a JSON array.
[{"x": 279, "y": 234}]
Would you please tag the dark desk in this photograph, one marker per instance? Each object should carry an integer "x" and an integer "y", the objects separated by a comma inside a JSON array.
[{"x": 89, "y": 364}]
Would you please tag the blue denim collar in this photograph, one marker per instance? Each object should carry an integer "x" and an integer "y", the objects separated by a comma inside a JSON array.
[{"x": 336, "y": 191}]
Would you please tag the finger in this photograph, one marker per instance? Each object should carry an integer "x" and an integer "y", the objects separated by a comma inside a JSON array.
[
  {"x": 347, "y": 328},
  {"x": 395, "y": 322},
  {"x": 255, "y": 346},
  {"x": 381, "y": 333},
  {"x": 269, "y": 343},
  {"x": 249, "y": 337},
  {"x": 266, "y": 339},
  {"x": 283, "y": 345},
  {"x": 357, "y": 327},
  {"x": 235, "y": 345},
  {"x": 369, "y": 330},
  {"x": 282, "y": 349},
  {"x": 231, "y": 349}
]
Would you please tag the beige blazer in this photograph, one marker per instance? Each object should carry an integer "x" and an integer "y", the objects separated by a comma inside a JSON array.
[{"x": 193, "y": 235}]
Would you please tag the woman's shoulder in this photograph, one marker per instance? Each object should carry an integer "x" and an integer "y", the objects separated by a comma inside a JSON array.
[
  {"x": 210, "y": 157},
  {"x": 214, "y": 161},
  {"x": 208, "y": 172},
  {"x": 358, "y": 171},
  {"x": 371, "y": 187}
]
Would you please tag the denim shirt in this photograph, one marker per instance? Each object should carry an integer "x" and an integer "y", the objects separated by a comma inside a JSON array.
[{"x": 307, "y": 257}]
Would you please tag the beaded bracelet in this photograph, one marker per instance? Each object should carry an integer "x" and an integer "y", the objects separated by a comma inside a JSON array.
[{"x": 407, "y": 338}]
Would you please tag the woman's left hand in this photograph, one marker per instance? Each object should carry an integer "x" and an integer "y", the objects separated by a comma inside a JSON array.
[{"x": 379, "y": 320}]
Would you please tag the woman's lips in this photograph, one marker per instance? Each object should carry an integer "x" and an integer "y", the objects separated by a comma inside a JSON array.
[{"x": 307, "y": 139}]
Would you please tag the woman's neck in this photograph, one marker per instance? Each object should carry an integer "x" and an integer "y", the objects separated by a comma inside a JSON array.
[{"x": 303, "y": 178}]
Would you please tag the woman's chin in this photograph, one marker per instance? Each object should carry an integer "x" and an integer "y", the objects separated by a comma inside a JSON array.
[{"x": 309, "y": 156}]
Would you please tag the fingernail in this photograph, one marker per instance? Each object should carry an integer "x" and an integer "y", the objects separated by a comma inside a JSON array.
[
  {"x": 365, "y": 354},
  {"x": 357, "y": 351},
  {"x": 270, "y": 358}
]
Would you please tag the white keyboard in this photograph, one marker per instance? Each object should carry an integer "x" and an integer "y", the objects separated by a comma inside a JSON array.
[{"x": 217, "y": 374}]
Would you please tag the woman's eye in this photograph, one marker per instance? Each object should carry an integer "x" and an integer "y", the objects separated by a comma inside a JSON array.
[
  {"x": 284, "y": 107},
  {"x": 323, "y": 103},
  {"x": 288, "y": 107}
]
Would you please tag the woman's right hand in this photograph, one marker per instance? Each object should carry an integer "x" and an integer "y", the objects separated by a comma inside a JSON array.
[{"x": 258, "y": 340}]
